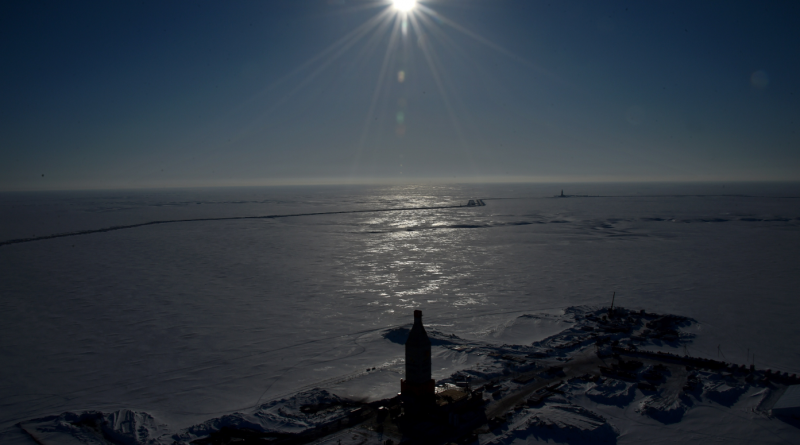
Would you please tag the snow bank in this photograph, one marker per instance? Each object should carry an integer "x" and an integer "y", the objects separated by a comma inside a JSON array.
[
  {"x": 570, "y": 424},
  {"x": 124, "y": 427},
  {"x": 522, "y": 330},
  {"x": 612, "y": 392},
  {"x": 664, "y": 409},
  {"x": 315, "y": 408}
]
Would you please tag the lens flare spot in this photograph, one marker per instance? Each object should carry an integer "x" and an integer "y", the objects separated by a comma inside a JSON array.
[
  {"x": 404, "y": 5},
  {"x": 401, "y": 117},
  {"x": 401, "y": 76}
]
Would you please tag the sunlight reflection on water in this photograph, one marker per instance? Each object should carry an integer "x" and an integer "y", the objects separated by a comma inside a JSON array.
[{"x": 184, "y": 308}]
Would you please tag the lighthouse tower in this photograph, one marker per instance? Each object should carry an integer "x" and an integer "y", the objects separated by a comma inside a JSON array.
[{"x": 418, "y": 382}]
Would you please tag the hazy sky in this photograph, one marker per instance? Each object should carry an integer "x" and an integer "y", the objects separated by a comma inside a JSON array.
[{"x": 181, "y": 93}]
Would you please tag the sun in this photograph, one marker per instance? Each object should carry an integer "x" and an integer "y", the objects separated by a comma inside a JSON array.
[{"x": 404, "y": 5}]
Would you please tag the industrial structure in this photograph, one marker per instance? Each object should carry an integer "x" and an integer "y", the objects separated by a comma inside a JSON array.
[{"x": 418, "y": 382}]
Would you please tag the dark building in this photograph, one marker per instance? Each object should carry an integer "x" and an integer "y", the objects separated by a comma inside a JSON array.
[{"x": 418, "y": 381}]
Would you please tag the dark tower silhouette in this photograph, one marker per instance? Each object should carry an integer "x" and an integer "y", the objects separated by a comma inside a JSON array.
[
  {"x": 611, "y": 309},
  {"x": 418, "y": 381}
]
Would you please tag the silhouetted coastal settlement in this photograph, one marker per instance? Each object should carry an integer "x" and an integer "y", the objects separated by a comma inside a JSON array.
[{"x": 602, "y": 354}]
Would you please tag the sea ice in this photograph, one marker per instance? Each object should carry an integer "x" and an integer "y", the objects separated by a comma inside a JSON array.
[{"x": 192, "y": 320}]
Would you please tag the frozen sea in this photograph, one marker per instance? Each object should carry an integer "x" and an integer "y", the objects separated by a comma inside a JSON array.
[{"x": 191, "y": 320}]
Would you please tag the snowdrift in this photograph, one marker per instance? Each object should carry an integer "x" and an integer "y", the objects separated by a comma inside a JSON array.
[
  {"x": 664, "y": 409},
  {"x": 612, "y": 392},
  {"x": 300, "y": 413},
  {"x": 570, "y": 424},
  {"x": 96, "y": 428}
]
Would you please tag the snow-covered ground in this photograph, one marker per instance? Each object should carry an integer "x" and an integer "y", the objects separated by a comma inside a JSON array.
[
  {"x": 590, "y": 396},
  {"x": 192, "y": 321}
]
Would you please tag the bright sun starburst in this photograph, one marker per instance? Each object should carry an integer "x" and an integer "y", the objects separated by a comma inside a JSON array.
[{"x": 404, "y": 5}]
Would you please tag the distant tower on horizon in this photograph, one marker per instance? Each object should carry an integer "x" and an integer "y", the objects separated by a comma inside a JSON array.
[
  {"x": 562, "y": 193},
  {"x": 418, "y": 381}
]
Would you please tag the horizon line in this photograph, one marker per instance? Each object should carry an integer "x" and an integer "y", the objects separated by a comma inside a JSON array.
[{"x": 172, "y": 185}]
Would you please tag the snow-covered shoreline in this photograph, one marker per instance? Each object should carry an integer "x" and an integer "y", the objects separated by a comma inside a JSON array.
[
  {"x": 593, "y": 381},
  {"x": 192, "y": 321}
]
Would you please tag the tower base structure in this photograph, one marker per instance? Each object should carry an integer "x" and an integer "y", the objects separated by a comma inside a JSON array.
[{"x": 418, "y": 390}]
